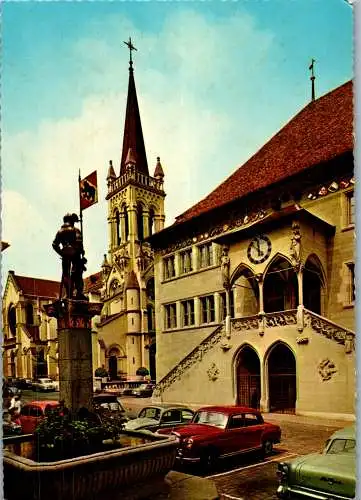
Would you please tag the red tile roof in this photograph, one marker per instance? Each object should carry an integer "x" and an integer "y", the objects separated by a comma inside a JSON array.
[
  {"x": 321, "y": 131},
  {"x": 38, "y": 287},
  {"x": 93, "y": 283}
]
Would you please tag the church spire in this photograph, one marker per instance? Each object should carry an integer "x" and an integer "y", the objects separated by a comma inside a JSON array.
[{"x": 133, "y": 135}]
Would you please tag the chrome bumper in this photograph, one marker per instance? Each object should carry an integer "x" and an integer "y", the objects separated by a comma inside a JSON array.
[{"x": 287, "y": 492}]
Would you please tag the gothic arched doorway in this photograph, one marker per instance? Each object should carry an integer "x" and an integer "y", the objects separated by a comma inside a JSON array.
[
  {"x": 113, "y": 367},
  {"x": 282, "y": 379},
  {"x": 248, "y": 377}
]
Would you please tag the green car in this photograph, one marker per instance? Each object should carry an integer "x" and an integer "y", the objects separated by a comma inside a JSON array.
[{"x": 330, "y": 475}]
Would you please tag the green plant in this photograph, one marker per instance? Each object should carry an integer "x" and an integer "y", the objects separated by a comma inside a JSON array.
[
  {"x": 101, "y": 372},
  {"x": 142, "y": 371},
  {"x": 67, "y": 436}
]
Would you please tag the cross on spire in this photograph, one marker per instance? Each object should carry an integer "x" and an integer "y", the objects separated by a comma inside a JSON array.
[
  {"x": 130, "y": 47},
  {"x": 312, "y": 78}
]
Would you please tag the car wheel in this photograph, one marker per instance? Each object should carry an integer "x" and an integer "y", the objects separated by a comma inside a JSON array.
[
  {"x": 209, "y": 459},
  {"x": 267, "y": 448}
]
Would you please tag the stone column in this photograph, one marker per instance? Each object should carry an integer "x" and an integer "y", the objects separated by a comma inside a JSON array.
[
  {"x": 261, "y": 313},
  {"x": 75, "y": 350},
  {"x": 300, "y": 308},
  {"x": 145, "y": 216}
]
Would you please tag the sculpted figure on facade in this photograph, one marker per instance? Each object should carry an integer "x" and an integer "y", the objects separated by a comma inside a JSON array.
[
  {"x": 122, "y": 258},
  {"x": 68, "y": 243},
  {"x": 295, "y": 249},
  {"x": 225, "y": 266}
]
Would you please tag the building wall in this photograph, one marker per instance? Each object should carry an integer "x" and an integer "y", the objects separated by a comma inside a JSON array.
[{"x": 333, "y": 251}]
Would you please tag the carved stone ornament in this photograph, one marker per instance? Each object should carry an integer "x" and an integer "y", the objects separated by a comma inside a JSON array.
[
  {"x": 225, "y": 345},
  {"x": 349, "y": 343},
  {"x": 213, "y": 372},
  {"x": 326, "y": 369},
  {"x": 283, "y": 318},
  {"x": 295, "y": 248},
  {"x": 73, "y": 313},
  {"x": 330, "y": 330},
  {"x": 122, "y": 259},
  {"x": 235, "y": 219},
  {"x": 248, "y": 323},
  {"x": 302, "y": 340}
]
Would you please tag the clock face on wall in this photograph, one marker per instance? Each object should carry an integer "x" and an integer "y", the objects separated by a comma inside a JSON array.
[{"x": 259, "y": 249}]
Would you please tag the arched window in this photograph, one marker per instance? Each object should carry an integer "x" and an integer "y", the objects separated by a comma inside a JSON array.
[
  {"x": 280, "y": 289},
  {"x": 150, "y": 289},
  {"x": 140, "y": 222},
  {"x": 118, "y": 234},
  {"x": 150, "y": 222},
  {"x": 12, "y": 319},
  {"x": 126, "y": 222},
  {"x": 150, "y": 314},
  {"x": 29, "y": 312},
  {"x": 313, "y": 285}
]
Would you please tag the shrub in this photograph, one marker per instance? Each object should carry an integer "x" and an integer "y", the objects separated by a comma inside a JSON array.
[
  {"x": 142, "y": 371},
  {"x": 101, "y": 372}
]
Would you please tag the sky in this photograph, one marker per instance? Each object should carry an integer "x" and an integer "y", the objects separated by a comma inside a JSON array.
[{"x": 215, "y": 80}]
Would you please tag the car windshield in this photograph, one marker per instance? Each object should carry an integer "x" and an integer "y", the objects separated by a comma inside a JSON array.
[
  {"x": 341, "y": 446},
  {"x": 211, "y": 418},
  {"x": 150, "y": 413}
]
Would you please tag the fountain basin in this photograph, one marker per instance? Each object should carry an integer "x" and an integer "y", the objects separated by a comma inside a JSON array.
[{"x": 89, "y": 475}]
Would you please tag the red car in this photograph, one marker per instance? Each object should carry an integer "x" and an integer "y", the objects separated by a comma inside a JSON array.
[
  {"x": 223, "y": 431},
  {"x": 32, "y": 413}
]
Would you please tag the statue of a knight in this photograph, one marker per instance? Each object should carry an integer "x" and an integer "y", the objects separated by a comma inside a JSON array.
[{"x": 68, "y": 243}]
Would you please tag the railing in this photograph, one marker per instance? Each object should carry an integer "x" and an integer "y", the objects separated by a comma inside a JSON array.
[
  {"x": 329, "y": 329},
  {"x": 193, "y": 357},
  {"x": 270, "y": 320},
  {"x": 139, "y": 178}
]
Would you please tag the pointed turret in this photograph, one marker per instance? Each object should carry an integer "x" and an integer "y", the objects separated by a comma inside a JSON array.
[
  {"x": 158, "y": 172},
  {"x": 111, "y": 174},
  {"x": 133, "y": 134},
  {"x": 132, "y": 282},
  {"x": 131, "y": 158}
]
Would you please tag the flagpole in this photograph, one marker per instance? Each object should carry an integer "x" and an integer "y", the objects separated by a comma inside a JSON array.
[{"x": 81, "y": 211}]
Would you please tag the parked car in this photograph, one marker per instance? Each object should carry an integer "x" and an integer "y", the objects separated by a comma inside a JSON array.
[
  {"x": 160, "y": 416},
  {"x": 32, "y": 413},
  {"x": 23, "y": 383},
  {"x": 10, "y": 389},
  {"x": 109, "y": 404},
  {"x": 10, "y": 427},
  {"x": 221, "y": 431},
  {"x": 43, "y": 384},
  {"x": 144, "y": 391},
  {"x": 329, "y": 475}
]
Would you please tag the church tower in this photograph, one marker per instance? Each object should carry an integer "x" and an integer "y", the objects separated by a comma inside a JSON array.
[{"x": 135, "y": 211}]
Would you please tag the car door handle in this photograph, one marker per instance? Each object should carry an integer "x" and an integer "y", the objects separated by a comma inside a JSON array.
[{"x": 331, "y": 480}]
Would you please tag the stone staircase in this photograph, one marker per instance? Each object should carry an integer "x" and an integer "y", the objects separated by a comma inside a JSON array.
[{"x": 301, "y": 319}]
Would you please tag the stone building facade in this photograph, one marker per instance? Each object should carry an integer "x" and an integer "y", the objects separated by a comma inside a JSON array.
[
  {"x": 29, "y": 336},
  {"x": 126, "y": 330},
  {"x": 30, "y": 343},
  {"x": 254, "y": 284}
]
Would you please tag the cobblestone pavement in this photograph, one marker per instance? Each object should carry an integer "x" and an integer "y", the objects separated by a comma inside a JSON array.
[{"x": 258, "y": 481}]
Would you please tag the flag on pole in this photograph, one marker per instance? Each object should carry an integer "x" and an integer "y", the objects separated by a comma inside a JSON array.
[{"x": 88, "y": 190}]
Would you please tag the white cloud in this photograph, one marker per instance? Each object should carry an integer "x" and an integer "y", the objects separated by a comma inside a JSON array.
[{"x": 185, "y": 102}]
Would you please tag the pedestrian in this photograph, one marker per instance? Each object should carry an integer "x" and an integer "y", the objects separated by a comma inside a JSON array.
[
  {"x": 15, "y": 407},
  {"x": 12, "y": 403},
  {"x": 255, "y": 399}
]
